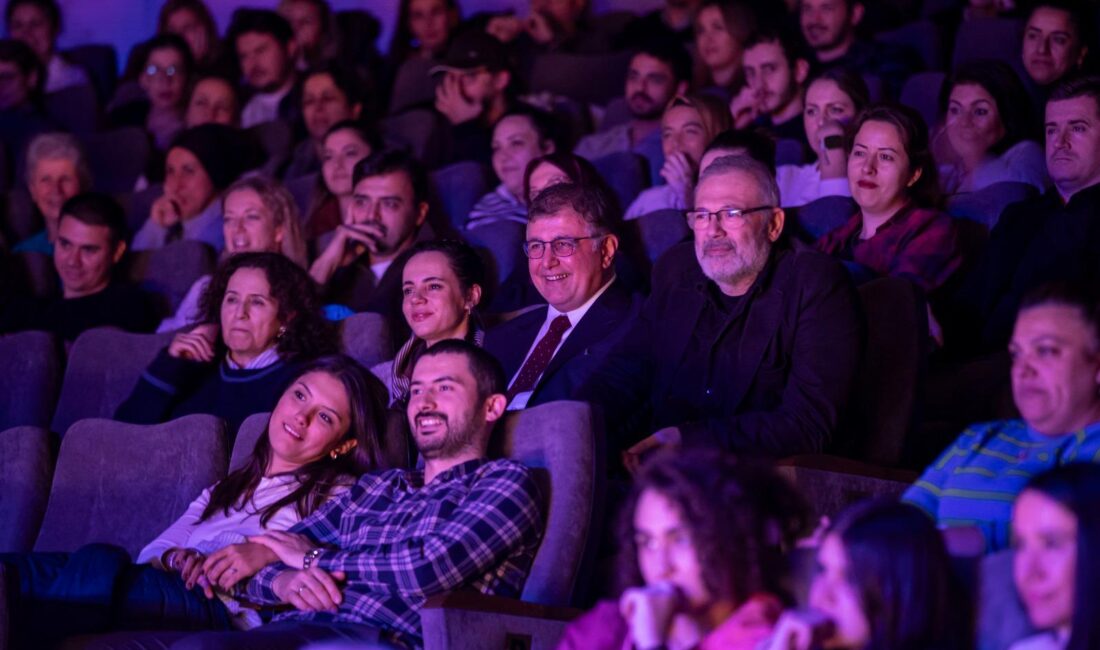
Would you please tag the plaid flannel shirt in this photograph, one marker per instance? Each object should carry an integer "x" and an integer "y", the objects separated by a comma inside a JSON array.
[{"x": 399, "y": 541}]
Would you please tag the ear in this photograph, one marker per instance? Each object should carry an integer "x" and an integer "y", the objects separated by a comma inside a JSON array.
[
  {"x": 502, "y": 79},
  {"x": 1081, "y": 57},
  {"x": 495, "y": 406},
  {"x": 548, "y": 146},
  {"x": 915, "y": 178},
  {"x": 356, "y": 109},
  {"x": 346, "y": 446},
  {"x": 120, "y": 250},
  {"x": 280, "y": 234},
  {"x": 681, "y": 88},
  {"x": 421, "y": 213},
  {"x": 801, "y": 71},
  {"x": 473, "y": 296},
  {"x": 608, "y": 247},
  {"x": 857, "y": 14},
  {"x": 775, "y": 224}
]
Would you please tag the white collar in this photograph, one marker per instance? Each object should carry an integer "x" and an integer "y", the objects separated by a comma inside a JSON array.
[{"x": 577, "y": 314}]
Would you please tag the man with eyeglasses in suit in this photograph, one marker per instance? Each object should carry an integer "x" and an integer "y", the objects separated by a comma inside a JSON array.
[
  {"x": 546, "y": 352},
  {"x": 744, "y": 344}
]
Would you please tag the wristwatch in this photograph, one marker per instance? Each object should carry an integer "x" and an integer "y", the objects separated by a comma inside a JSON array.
[{"x": 309, "y": 557}]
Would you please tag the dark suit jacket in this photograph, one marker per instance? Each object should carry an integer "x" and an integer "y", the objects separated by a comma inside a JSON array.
[
  {"x": 798, "y": 351},
  {"x": 605, "y": 324}
]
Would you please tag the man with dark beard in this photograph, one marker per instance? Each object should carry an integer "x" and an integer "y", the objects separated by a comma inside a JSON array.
[
  {"x": 743, "y": 344},
  {"x": 266, "y": 50}
]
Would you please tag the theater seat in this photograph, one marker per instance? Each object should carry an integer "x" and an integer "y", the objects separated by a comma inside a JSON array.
[
  {"x": 502, "y": 245},
  {"x": 276, "y": 140},
  {"x": 921, "y": 92},
  {"x": 30, "y": 381},
  {"x": 789, "y": 152},
  {"x": 660, "y": 231},
  {"x": 19, "y": 217},
  {"x": 302, "y": 189},
  {"x": 923, "y": 37},
  {"x": 830, "y": 484},
  {"x": 25, "y": 472},
  {"x": 75, "y": 108},
  {"x": 456, "y": 188},
  {"x": 412, "y": 85},
  {"x": 101, "y": 62},
  {"x": 139, "y": 205},
  {"x": 167, "y": 273},
  {"x": 986, "y": 205},
  {"x": 420, "y": 131},
  {"x": 594, "y": 79},
  {"x": 1002, "y": 619},
  {"x": 35, "y": 273},
  {"x": 819, "y": 217},
  {"x": 626, "y": 173},
  {"x": 999, "y": 39},
  {"x": 366, "y": 338},
  {"x": 117, "y": 157}
]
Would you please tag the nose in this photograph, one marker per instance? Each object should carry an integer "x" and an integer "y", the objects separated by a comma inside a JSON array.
[
  {"x": 1061, "y": 138},
  {"x": 1044, "y": 46},
  {"x": 417, "y": 297},
  {"x": 1022, "y": 368},
  {"x": 869, "y": 165}
]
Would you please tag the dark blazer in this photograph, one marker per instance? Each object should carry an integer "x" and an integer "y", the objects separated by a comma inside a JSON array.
[
  {"x": 798, "y": 350},
  {"x": 603, "y": 325}
]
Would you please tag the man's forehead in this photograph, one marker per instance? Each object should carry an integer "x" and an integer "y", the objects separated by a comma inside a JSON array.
[
  {"x": 442, "y": 366},
  {"x": 1075, "y": 108},
  {"x": 392, "y": 183},
  {"x": 564, "y": 222},
  {"x": 729, "y": 187},
  {"x": 79, "y": 232},
  {"x": 645, "y": 63}
]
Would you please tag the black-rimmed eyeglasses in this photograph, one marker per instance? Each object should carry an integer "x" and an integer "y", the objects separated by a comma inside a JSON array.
[
  {"x": 727, "y": 217},
  {"x": 562, "y": 246}
]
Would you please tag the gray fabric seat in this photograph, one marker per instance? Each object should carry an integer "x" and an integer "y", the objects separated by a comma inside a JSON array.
[
  {"x": 820, "y": 217},
  {"x": 35, "y": 272},
  {"x": 412, "y": 85},
  {"x": 921, "y": 92},
  {"x": 661, "y": 230},
  {"x": 456, "y": 188},
  {"x": 31, "y": 379},
  {"x": 989, "y": 38},
  {"x": 118, "y": 157},
  {"x": 104, "y": 366},
  {"x": 923, "y": 37},
  {"x": 167, "y": 273},
  {"x": 986, "y": 205},
  {"x": 139, "y": 205},
  {"x": 626, "y": 173},
  {"x": 366, "y": 338},
  {"x": 25, "y": 472},
  {"x": 595, "y": 79},
  {"x": 75, "y": 108}
]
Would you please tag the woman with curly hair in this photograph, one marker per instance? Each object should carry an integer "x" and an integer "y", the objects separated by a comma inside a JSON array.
[
  {"x": 701, "y": 540},
  {"x": 262, "y": 319}
]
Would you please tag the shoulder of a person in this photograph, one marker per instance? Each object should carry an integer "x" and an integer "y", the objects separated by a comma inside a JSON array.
[
  {"x": 677, "y": 265},
  {"x": 808, "y": 267},
  {"x": 502, "y": 468}
]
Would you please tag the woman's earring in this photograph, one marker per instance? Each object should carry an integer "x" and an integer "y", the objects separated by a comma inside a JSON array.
[
  {"x": 333, "y": 454},
  {"x": 281, "y": 333}
]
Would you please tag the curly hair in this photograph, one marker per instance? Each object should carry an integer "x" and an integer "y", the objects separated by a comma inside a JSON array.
[
  {"x": 308, "y": 334},
  {"x": 742, "y": 517}
]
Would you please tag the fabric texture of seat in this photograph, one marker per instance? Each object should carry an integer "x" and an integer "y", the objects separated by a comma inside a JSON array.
[
  {"x": 168, "y": 273},
  {"x": 1002, "y": 619},
  {"x": 502, "y": 245},
  {"x": 601, "y": 81},
  {"x": 75, "y": 108},
  {"x": 986, "y": 205},
  {"x": 921, "y": 92},
  {"x": 123, "y": 484},
  {"x": 661, "y": 230},
  {"x": 139, "y": 205},
  {"x": 789, "y": 152},
  {"x": 276, "y": 139},
  {"x": 118, "y": 157},
  {"x": 104, "y": 365},
  {"x": 420, "y": 131},
  {"x": 31, "y": 379},
  {"x": 820, "y": 217},
  {"x": 412, "y": 85},
  {"x": 366, "y": 338},
  {"x": 36, "y": 273},
  {"x": 831, "y": 484},
  {"x": 456, "y": 189},
  {"x": 25, "y": 472},
  {"x": 101, "y": 62},
  {"x": 626, "y": 173},
  {"x": 989, "y": 38},
  {"x": 923, "y": 37}
]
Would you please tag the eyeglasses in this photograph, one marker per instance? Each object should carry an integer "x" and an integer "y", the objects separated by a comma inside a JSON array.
[
  {"x": 562, "y": 246},
  {"x": 168, "y": 71},
  {"x": 727, "y": 218}
]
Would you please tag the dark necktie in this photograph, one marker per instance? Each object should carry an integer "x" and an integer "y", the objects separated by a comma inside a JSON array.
[{"x": 540, "y": 357}]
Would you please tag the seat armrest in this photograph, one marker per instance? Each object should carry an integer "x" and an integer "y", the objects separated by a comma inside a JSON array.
[{"x": 472, "y": 621}]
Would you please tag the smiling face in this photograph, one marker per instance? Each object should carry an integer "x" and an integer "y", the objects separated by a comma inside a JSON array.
[
  {"x": 265, "y": 62},
  {"x": 1052, "y": 45},
  {"x": 878, "y": 169},
  {"x": 187, "y": 183},
  {"x": 430, "y": 23},
  {"x": 516, "y": 143},
  {"x": 650, "y": 84},
  {"x": 387, "y": 200},
  {"x": 569, "y": 282},
  {"x": 682, "y": 131},
  {"x": 434, "y": 304},
  {"x": 1073, "y": 144},
  {"x": 1044, "y": 564},
  {"x": 833, "y": 594},
  {"x": 825, "y": 102},
  {"x": 974, "y": 124},
  {"x": 249, "y": 315},
  {"x": 212, "y": 102},
  {"x": 311, "y": 420},
  {"x": 1055, "y": 369},
  {"x": 342, "y": 150},
  {"x": 666, "y": 551},
  {"x": 52, "y": 182},
  {"x": 324, "y": 104},
  {"x": 164, "y": 79},
  {"x": 446, "y": 414},
  {"x": 84, "y": 256},
  {"x": 716, "y": 46},
  {"x": 249, "y": 224}
]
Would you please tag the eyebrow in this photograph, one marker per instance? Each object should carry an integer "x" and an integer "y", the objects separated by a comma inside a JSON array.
[
  {"x": 427, "y": 279},
  {"x": 303, "y": 385}
]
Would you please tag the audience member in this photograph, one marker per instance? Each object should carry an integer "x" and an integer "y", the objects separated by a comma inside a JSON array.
[
  {"x": 214, "y": 100},
  {"x": 345, "y": 144},
  {"x": 201, "y": 162},
  {"x": 424, "y": 29},
  {"x": 689, "y": 124},
  {"x": 38, "y": 23},
  {"x": 312, "y": 22},
  {"x": 987, "y": 131},
  {"x": 57, "y": 170},
  {"x": 721, "y": 29},
  {"x": 659, "y": 71},
  {"x": 266, "y": 50},
  {"x": 741, "y": 345},
  {"x": 1054, "y": 525},
  {"x": 1055, "y": 376},
  {"x": 550, "y": 25},
  {"x": 671, "y": 22},
  {"x": 21, "y": 116},
  {"x": 331, "y": 93},
  {"x": 441, "y": 288},
  {"x": 571, "y": 248},
  {"x": 261, "y": 320},
  {"x": 192, "y": 21},
  {"x": 91, "y": 240},
  {"x": 774, "y": 75},
  {"x": 897, "y": 230},
  {"x": 325, "y": 431},
  {"x": 833, "y": 99},
  {"x": 260, "y": 217},
  {"x": 701, "y": 540},
  {"x": 164, "y": 79},
  {"x": 558, "y": 167},
  {"x": 883, "y": 580},
  {"x": 753, "y": 143},
  {"x": 1056, "y": 44}
]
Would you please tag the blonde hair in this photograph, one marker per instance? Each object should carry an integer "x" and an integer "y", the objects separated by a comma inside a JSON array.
[
  {"x": 283, "y": 209},
  {"x": 713, "y": 112}
]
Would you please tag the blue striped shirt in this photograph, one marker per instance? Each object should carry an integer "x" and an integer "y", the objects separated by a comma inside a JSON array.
[{"x": 976, "y": 480}]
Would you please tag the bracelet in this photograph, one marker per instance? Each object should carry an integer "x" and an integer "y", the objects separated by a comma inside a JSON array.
[
  {"x": 309, "y": 557},
  {"x": 166, "y": 559}
]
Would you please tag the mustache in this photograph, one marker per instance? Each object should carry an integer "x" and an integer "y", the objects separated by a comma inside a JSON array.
[
  {"x": 431, "y": 414},
  {"x": 639, "y": 96}
]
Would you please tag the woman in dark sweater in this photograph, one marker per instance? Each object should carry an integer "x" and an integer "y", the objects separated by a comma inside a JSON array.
[{"x": 262, "y": 321}]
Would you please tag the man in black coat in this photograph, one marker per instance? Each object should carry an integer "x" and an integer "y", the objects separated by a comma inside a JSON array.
[
  {"x": 742, "y": 345},
  {"x": 548, "y": 351}
]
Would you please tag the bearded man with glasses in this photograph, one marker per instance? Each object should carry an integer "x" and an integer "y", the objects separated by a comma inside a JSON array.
[
  {"x": 548, "y": 351},
  {"x": 744, "y": 344}
]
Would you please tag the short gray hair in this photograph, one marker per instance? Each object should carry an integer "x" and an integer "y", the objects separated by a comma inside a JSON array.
[
  {"x": 764, "y": 178},
  {"x": 51, "y": 146}
]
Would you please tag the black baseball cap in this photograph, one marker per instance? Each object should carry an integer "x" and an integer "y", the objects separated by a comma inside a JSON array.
[{"x": 471, "y": 50}]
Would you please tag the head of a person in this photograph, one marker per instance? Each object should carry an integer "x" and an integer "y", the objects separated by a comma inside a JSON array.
[
  {"x": 328, "y": 425},
  {"x": 390, "y": 189},
  {"x": 480, "y": 65},
  {"x": 1055, "y": 518},
  {"x": 21, "y": 75},
  {"x": 91, "y": 239},
  {"x": 264, "y": 300},
  {"x": 659, "y": 70},
  {"x": 829, "y": 25},
  {"x": 213, "y": 100},
  {"x": 570, "y": 244},
  {"x": 260, "y": 215},
  {"x": 202, "y": 162},
  {"x": 310, "y": 20},
  {"x": 167, "y": 68},
  {"x": 563, "y": 15},
  {"x": 712, "y": 526},
  {"x": 558, "y": 167},
  {"x": 735, "y": 221},
  {"x": 265, "y": 46},
  {"x": 425, "y": 25},
  {"x": 690, "y": 122},
  {"x": 1072, "y": 128},
  {"x": 36, "y": 23},
  {"x": 1056, "y": 39},
  {"x": 889, "y": 160},
  {"x": 753, "y": 143},
  {"x": 192, "y": 21},
  {"x": 884, "y": 578},
  {"x": 523, "y": 134},
  {"x": 57, "y": 170},
  {"x": 721, "y": 29},
  {"x": 834, "y": 96},
  {"x": 985, "y": 108},
  {"x": 1055, "y": 351},
  {"x": 331, "y": 93},
  {"x": 441, "y": 286},
  {"x": 343, "y": 146},
  {"x": 774, "y": 69},
  {"x": 456, "y": 398}
]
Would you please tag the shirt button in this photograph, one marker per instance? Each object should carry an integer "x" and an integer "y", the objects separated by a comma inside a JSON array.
[{"x": 708, "y": 391}]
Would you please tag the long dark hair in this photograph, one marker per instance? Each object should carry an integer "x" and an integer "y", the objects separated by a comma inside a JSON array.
[
  {"x": 1003, "y": 84},
  {"x": 899, "y": 565},
  {"x": 1076, "y": 487},
  {"x": 308, "y": 334},
  {"x": 367, "y": 405},
  {"x": 914, "y": 137},
  {"x": 742, "y": 517}
]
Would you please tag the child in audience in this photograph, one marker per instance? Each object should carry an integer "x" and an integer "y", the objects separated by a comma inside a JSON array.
[
  {"x": 324, "y": 432},
  {"x": 345, "y": 144}
]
